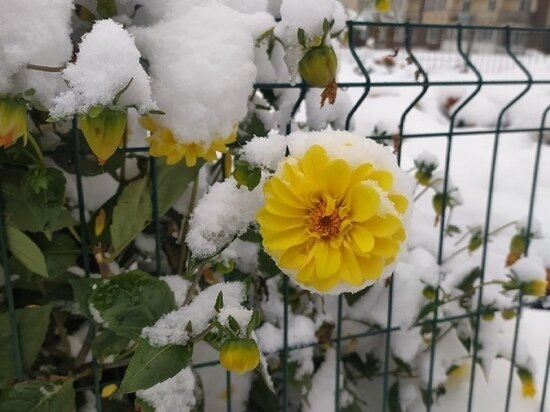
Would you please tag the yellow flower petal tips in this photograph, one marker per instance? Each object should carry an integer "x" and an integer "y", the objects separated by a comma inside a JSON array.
[
  {"x": 333, "y": 224},
  {"x": 13, "y": 121},
  {"x": 164, "y": 143}
]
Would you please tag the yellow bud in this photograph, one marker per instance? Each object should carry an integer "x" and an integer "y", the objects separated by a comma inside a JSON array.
[
  {"x": 528, "y": 389},
  {"x": 103, "y": 132},
  {"x": 239, "y": 355},
  {"x": 109, "y": 390},
  {"x": 508, "y": 314},
  {"x": 535, "y": 288},
  {"x": 318, "y": 66},
  {"x": 100, "y": 222},
  {"x": 383, "y": 6},
  {"x": 13, "y": 121}
]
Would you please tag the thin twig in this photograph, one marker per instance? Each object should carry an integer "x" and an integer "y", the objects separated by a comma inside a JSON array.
[
  {"x": 49, "y": 69},
  {"x": 185, "y": 225},
  {"x": 193, "y": 286}
]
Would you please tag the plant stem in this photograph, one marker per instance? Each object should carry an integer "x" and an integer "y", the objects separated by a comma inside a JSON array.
[
  {"x": 185, "y": 226},
  {"x": 49, "y": 69},
  {"x": 37, "y": 150},
  {"x": 193, "y": 286}
]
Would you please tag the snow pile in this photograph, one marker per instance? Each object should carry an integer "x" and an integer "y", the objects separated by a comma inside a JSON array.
[
  {"x": 224, "y": 213},
  {"x": 107, "y": 63},
  {"x": 335, "y": 115},
  {"x": 173, "y": 394},
  {"x": 265, "y": 152},
  {"x": 33, "y": 32},
  {"x": 243, "y": 254},
  {"x": 194, "y": 54},
  {"x": 179, "y": 287},
  {"x": 171, "y": 329},
  {"x": 301, "y": 331}
]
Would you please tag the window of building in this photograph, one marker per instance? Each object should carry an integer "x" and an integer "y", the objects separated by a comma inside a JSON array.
[
  {"x": 492, "y": 5},
  {"x": 466, "y": 5},
  {"x": 524, "y": 5}
]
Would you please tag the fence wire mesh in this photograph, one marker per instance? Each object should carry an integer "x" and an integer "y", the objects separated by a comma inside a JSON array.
[{"x": 414, "y": 40}]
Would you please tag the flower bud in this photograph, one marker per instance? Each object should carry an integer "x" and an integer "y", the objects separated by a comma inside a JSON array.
[
  {"x": 13, "y": 121},
  {"x": 103, "y": 132},
  {"x": 318, "y": 66},
  {"x": 508, "y": 314},
  {"x": 429, "y": 292},
  {"x": 528, "y": 389},
  {"x": 383, "y": 6},
  {"x": 535, "y": 288},
  {"x": 239, "y": 355}
]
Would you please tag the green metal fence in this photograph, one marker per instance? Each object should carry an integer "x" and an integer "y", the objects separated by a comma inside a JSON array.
[{"x": 412, "y": 39}]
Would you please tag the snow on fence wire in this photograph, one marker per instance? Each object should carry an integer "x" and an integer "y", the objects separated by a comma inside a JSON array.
[{"x": 365, "y": 87}]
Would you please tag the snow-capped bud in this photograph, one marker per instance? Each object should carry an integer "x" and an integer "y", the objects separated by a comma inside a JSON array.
[
  {"x": 13, "y": 121},
  {"x": 318, "y": 69},
  {"x": 535, "y": 288},
  {"x": 103, "y": 131},
  {"x": 239, "y": 355}
]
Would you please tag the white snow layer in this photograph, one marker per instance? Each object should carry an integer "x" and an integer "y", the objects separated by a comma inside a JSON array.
[
  {"x": 222, "y": 214},
  {"x": 171, "y": 328},
  {"x": 173, "y": 394},
  {"x": 106, "y": 63},
  {"x": 528, "y": 269},
  {"x": 34, "y": 32},
  {"x": 193, "y": 55}
]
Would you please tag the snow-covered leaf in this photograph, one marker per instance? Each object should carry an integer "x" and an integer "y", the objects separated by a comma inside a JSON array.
[{"x": 131, "y": 301}]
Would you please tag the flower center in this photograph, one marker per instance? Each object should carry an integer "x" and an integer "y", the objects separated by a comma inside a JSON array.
[{"x": 326, "y": 225}]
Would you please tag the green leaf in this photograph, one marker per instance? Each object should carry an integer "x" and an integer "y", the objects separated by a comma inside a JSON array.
[
  {"x": 60, "y": 254},
  {"x": 393, "y": 398},
  {"x": 468, "y": 282},
  {"x": 83, "y": 13},
  {"x": 143, "y": 406},
  {"x": 36, "y": 211},
  {"x": 302, "y": 37},
  {"x": 426, "y": 309},
  {"x": 233, "y": 324},
  {"x": 131, "y": 301},
  {"x": 107, "y": 343},
  {"x": 82, "y": 290},
  {"x": 402, "y": 365},
  {"x": 255, "y": 321},
  {"x": 39, "y": 396},
  {"x": 351, "y": 298},
  {"x": 131, "y": 214},
  {"x": 151, "y": 365},
  {"x": 106, "y": 8},
  {"x": 121, "y": 91},
  {"x": 32, "y": 325},
  {"x": 26, "y": 251},
  {"x": 173, "y": 181},
  {"x": 247, "y": 175},
  {"x": 219, "y": 302}
]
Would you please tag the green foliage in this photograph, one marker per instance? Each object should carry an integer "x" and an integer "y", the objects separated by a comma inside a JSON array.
[
  {"x": 126, "y": 226},
  {"x": 173, "y": 181},
  {"x": 26, "y": 251},
  {"x": 247, "y": 175},
  {"x": 131, "y": 301},
  {"x": 32, "y": 325},
  {"x": 34, "y": 202},
  {"x": 39, "y": 396},
  {"x": 107, "y": 343},
  {"x": 151, "y": 365},
  {"x": 393, "y": 398}
]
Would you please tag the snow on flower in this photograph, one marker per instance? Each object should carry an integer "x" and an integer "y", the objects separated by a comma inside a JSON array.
[
  {"x": 43, "y": 39},
  {"x": 334, "y": 212},
  {"x": 106, "y": 64},
  {"x": 200, "y": 121}
]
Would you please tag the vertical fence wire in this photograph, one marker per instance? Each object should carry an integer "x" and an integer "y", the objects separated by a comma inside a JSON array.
[{"x": 84, "y": 245}]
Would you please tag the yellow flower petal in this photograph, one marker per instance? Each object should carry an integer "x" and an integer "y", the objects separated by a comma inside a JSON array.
[
  {"x": 364, "y": 203},
  {"x": 336, "y": 177},
  {"x": 384, "y": 247},
  {"x": 383, "y": 226},
  {"x": 383, "y": 178}
]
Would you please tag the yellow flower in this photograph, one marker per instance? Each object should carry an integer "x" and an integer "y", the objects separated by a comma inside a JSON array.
[
  {"x": 103, "y": 132},
  {"x": 528, "y": 389},
  {"x": 383, "y": 6},
  {"x": 329, "y": 225},
  {"x": 239, "y": 355},
  {"x": 535, "y": 288},
  {"x": 164, "y": 143},
  {"x": 13, "y": 121}
]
